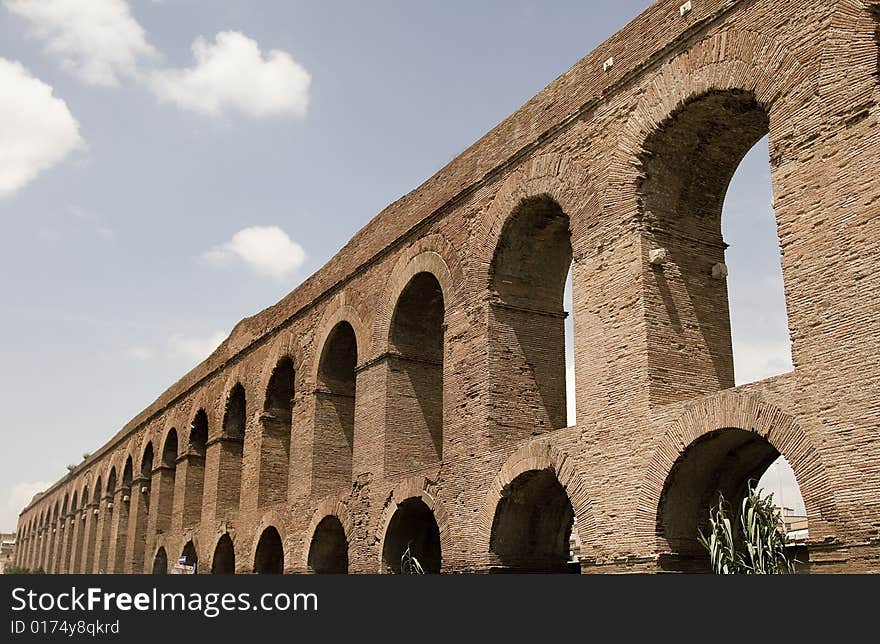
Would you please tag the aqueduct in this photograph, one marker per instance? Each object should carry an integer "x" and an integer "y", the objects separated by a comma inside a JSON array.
[{"x": 412, "y": 392}]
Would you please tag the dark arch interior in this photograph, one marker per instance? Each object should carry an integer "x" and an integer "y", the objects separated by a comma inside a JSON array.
[
  {"x": 127, "y": 474},
  {"x": 334, "y": 411},
  {"x": 169, "y": 452},
  {"x": 198, "y": 435},
  {"x": 235, "y": 415},
  {"x": 269, "y": 559},
  {"x": 96, "y": 493},
  {"x": 195, "y": 470},
  {"x": 328, "y": 553},
  {"x": 147, "y": 463},
  {"x": 160, "y": 563},
  {"x": 224, "y": 557},
  {"x": 531, "y": 529},
  {"x": 413, "y": 526},
  {"x": 189, "y": 554},
  {"x": 414, "y": 437},
  {"x": 724, "y": 461},
  {"x": 277, "y": 418},
  {"x": 528, "y": 275}
]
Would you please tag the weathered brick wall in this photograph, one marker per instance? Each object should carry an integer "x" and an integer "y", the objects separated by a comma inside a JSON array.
[{"x": 440, "y": 418}]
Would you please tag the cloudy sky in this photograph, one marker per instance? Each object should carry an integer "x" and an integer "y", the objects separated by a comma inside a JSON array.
[{"x": 168, "y": 167}]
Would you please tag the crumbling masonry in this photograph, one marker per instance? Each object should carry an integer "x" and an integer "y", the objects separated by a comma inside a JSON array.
[{"x": 412, "y": 391}]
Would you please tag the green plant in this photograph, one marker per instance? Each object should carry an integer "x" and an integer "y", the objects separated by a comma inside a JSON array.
[{"x": 762, "y": 542}]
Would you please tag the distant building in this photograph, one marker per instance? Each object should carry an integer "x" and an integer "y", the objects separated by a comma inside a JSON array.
[{"x": 7, "y": 550}]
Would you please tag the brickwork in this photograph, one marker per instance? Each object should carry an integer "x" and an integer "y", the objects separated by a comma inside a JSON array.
[{"x": 412, "y": 391}]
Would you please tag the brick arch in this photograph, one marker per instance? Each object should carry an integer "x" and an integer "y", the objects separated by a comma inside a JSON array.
[
  {"x": 433, "y": 254},
  {"x": 730, "y": 60},
  {"x": 346, "y": 306},
  {"x": 736, "y": 410},
  {"x": 414, "y": 487},
  {"x": 215, "y": 541},
  {"x": 275, "y": 518},
  {"x": 535, "y": 457},
  {"x": 284, "y": 346},
  {"x": 332, "y": 506},
  {"x": 558, "y": 177}
]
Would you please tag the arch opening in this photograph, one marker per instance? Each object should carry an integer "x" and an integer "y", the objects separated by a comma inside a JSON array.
[
  {"x": 189, "y": 556},
  {"x": 328, "y": 552},
  {"x": 277, "y": 420},
  {"x": 141, "y": 508},
  {"x": 223, "y": 562},
  {"x": 106, "y": 523},
  {"x": 269, "y": 558},
  {"x": 334, "y": 411},
  {"x": 414, "y": 407},
  {"x": 714, "y": 328},
  {"x": 412, "y": 526},
  {"x": 193, "y": 493},
  {"x": 724, "y": 461},
  {"x": 529, "y": 271},
  {"x": 231, "y": 445},
  {"x": 532, "y": 527},
  {"x": 165, "y": 478},
  {"x": 160, "y": 562}
]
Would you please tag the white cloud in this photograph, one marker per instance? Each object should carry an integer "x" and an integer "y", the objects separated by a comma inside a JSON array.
[
  {"x": 36, "y": 129},
  {"x": 98, "y": 40},
  {"x": 194, "y": 347},
  {"x": 754, "y": 360},
  {"x": 19, "y": 496},
  {"x": 231, "y": 74},
  {"x": 140, "y": 353},
  {"x": 267, "y": 250}
]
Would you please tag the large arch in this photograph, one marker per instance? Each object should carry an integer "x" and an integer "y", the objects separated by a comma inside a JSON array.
[
  {"x": 106, "y": 523},
  {"x": 92, "y": 514},
  {"x": 190, "y": 555},
  {"x": 231, "y": 444},
  {"x": 720, "y": 445},
  {"x": 123, "y": 515},
  {"x": 335, "y": 401},
  {"x": 415, "y": 379},
  {"x": 193, "y": 493},
  {"x": 223, "y": 561},
  {"x": 141, "y": 506},
  {"x": 164, "y": 481},
  {"x": 277, "y": 424},
  {"x": 269, "y": 553}
]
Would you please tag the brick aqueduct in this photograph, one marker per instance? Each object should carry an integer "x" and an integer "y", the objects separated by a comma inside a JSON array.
[{"x": 412, "y": 391}]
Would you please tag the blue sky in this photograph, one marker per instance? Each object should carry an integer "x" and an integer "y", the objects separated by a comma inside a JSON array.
[{"x": 169, "y": 167}]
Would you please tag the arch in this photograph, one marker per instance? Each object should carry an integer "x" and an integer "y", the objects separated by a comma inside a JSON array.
[
  {"x": 193, "y": 492},
  {"x": 269, "y": 553},
  {"x": 335, "y": 401},
  {"x": 719, "y": 444},
  {"x": 328, "y": 547},
  {"x": 521, "y": 466},
  {"x": 527, "y": 316},
  {"x": 190, "y": 555},
  {"x": 277, "y": 424},
  {"x": 72, "y": 534},
  {"x": 160, "y": 562},
  {"x": 165, "y": 478},
  {"x": 92, "y": 538},
  {"x": 231, "y": 443},
  {"x": 414, "y": 494},
  {"x": 140, "y": 505},
  {"x": 415, "y": 379},
  {"x": 223, "y": 561},
  {"x": 106, "y": 523}
]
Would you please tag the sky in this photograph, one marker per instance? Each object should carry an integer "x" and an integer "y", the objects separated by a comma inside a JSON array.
[{"x": 168, "y": 167}]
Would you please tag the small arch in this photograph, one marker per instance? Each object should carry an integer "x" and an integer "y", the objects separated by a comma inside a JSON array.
[
  {"x": 335, "y": 400},
  {"x": 269, "y": 555},
  {"x": 160, "y": 562},
  {"x": 415, "y": 388},
  {"x": 532, "y": 528},
  {"x": 414, "y": 528},
  {"x": 190, "y": 556},
  {"x": 223, "y": 562},
  {"x": 276, "y": 421},
  {"x": 328, "y": 551}
]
